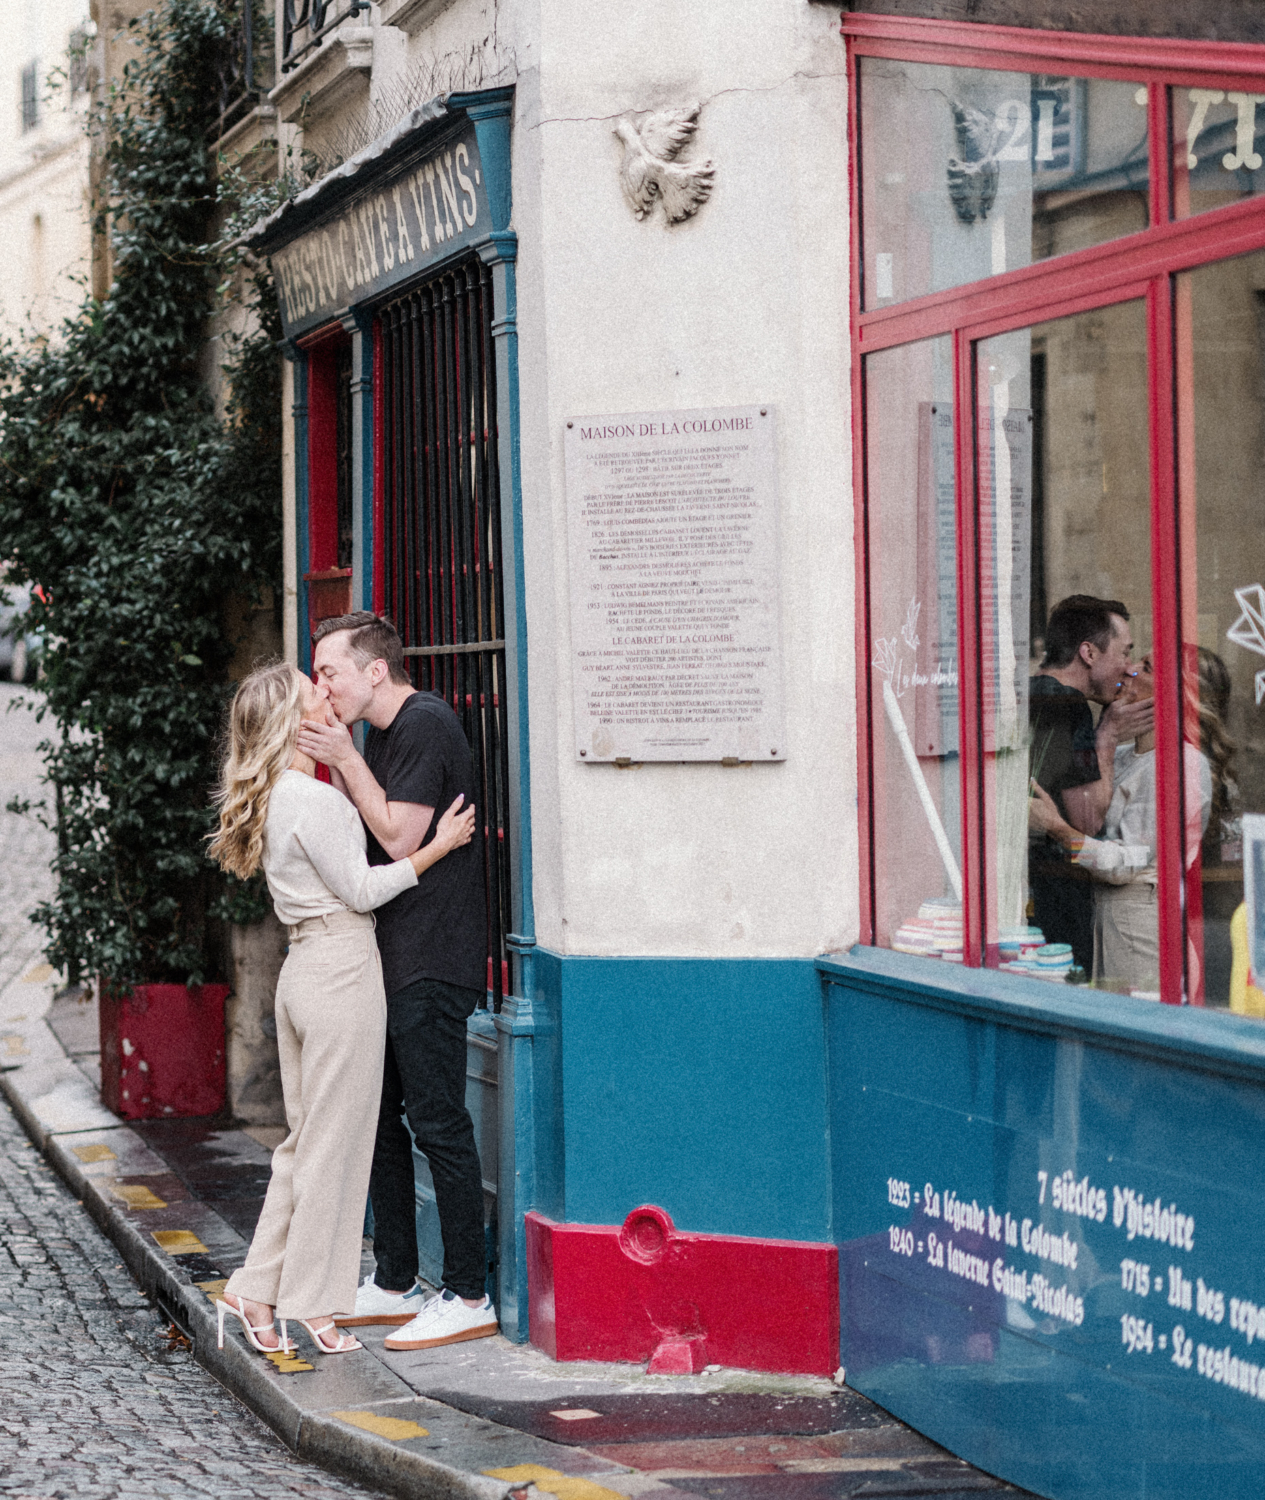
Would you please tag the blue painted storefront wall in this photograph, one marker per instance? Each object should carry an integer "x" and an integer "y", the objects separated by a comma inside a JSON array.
[
  {"x": 977, "y": 1084},
  {"x": 695, "y": 1084}
]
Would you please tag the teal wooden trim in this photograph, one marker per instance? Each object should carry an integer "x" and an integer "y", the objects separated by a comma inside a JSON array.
[
  {"x": 492, "y": 112},
  {"x": 698, "y": 1084},
  {"x": 1190, "y": 1036},
  {"x": 500, "y": 253},
  {"x": 360, "y": 325},
  {"x": 516, "y": 1158},
  {"x": 301, "y": 537}
]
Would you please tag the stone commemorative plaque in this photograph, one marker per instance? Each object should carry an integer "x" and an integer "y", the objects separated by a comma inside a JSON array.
[{"x": 675, "y": 620}]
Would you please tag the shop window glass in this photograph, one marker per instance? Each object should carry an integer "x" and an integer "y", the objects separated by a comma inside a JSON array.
[
  {"x": 1064, "y": 508},
  {"x": 1220, "y": 369},
  {"x": 1218, "y": 148},
  {"x": 967, "y": 172},
  {"x": 914, "y": 658}
]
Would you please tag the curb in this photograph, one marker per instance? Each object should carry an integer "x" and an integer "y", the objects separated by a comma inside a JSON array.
[{"x": 333, "y": 1445}]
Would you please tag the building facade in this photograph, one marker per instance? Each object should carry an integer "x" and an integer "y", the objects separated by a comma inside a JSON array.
[
  {"x": 44, "y": 166},
  {"x": 720, "y": 404}
]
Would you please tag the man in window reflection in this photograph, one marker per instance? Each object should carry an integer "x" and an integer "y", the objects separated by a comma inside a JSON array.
[{"x": 1088, "y": 657}]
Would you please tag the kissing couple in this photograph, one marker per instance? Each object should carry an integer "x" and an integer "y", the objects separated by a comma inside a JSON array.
[{"x": 384, "y": 902}]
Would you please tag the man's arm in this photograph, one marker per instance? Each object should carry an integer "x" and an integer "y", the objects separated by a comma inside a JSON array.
[
  {"x": 1086, "y": 806},
  {"x": 399, "y": 827}
]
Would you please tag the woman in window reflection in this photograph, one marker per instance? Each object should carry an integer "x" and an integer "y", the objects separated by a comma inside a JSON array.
[{"x": 1122, "y": 861}]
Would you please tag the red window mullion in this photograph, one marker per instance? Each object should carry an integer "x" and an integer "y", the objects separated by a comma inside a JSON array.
[
  {"x": 861, "y": 541},
  {"x": 1022, "y": 49},
  {"x": 1166, "y": 637},
  {"x": 1160, "y": 131},
  {"x": 970, "y": 682},
  {"x": 1108, "y": 271},
  {"x": 377, "y": 562}
]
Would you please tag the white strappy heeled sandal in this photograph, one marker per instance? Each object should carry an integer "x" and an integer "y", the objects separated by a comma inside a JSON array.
[
  {"x": 343, "y": 1343},
  {"x": 252, "y": 1331}
]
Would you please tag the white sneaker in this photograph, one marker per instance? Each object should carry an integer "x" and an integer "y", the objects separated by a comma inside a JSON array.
[
  {"x": 373, "y": 1305},
  {"x": 445, "y": 1319}
]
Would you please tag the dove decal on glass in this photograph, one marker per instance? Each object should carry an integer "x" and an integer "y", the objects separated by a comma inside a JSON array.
[
  {"x": 650, "y": 171},
  {"x": 973, "y": 173}
]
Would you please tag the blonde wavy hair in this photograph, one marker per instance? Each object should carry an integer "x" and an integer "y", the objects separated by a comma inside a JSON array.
[{"x": 263, "y": 731}]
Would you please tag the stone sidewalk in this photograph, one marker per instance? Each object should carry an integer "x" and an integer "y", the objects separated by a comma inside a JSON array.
[{"x": 487, "y": 1419}]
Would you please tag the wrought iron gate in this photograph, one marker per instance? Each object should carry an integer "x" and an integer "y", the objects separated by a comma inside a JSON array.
[{"x": 442, "y": 551}]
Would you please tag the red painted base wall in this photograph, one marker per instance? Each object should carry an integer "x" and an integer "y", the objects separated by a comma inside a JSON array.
[
  {"x": 647, "y": 1291},
  {"x": 162, "y": 1051}
]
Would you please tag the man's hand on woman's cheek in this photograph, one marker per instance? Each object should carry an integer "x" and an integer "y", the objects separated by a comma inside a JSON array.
[{"x": 330, "y": 744}]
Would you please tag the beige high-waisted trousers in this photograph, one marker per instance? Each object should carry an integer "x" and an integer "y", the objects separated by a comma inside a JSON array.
[{"x": 331, "y": 1033}]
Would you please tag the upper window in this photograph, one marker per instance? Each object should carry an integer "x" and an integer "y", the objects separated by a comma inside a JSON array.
[
  {"x": 968, "y": 173},
  {"x": 1064, "y": 507},
  {"x": 30, "y": 97}
]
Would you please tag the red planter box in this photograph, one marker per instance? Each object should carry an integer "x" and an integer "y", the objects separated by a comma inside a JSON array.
[{"x": 162, "y": 1051}]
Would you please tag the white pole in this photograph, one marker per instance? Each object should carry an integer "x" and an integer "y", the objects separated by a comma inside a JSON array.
[{"x": 897, "y": 721}]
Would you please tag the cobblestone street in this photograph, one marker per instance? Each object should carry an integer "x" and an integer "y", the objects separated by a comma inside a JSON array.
[{"x": 97, "y": 1399}]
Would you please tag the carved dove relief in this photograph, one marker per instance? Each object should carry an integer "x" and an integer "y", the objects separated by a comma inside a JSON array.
[{"x": 650, "y": 170}]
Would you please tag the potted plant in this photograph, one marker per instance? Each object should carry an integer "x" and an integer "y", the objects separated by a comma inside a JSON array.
[{"x": 144, "y": 518}]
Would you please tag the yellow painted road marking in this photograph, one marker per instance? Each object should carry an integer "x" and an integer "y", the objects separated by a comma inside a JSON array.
[
  {"x": 94, "y": 1153},
  {"x": 40, "y": 974},
  {"x": 14, "y": 1045},
  {"x": 213, "y": 1289},
  {"x": 13, "y": 1020},
  {"x": 388, "y": 1427},
  {"x": 288, "y": 1364},
  {"x": 574, "y": 1414},
  {"x": 179, "y": 1241},
  {"x": 136, "y": 1196},
  {"x": 564, "y": 1486}
]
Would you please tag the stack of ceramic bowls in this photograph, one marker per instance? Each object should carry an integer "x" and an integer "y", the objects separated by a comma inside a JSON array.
[
  {"x": 1020, "y": 944},
  {"x": 1053, "y": 961},
  {"x": 916, "y": 936},
  {"x": 945, "y": 915}
]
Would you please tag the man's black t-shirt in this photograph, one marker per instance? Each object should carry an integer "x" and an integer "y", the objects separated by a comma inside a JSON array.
[
  {"x": 1064, "y": 750},
  {"x": 438, "y": 929},
  {"x": 1064, "y": 755}
]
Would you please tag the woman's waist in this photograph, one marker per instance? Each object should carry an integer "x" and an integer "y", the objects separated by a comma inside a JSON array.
[{"x": 341, "y": 920}]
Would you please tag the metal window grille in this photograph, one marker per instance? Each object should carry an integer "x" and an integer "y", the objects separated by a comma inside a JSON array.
[
  {"x": 442, "y": 517},
  {"x": 343, "y": 437},
  {"x": 77, "y": 55},
  {"x": 30, "y": 96},
  {"x": 313, "y": 20}
]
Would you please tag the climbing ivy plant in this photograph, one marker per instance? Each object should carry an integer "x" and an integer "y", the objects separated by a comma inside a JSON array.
[{"x": 139, "y": 511}]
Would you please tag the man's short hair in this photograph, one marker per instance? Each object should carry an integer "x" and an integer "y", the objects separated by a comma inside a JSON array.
[
  {"x": 370, "y": 638},
  {"x": 1079, "y": 618}
]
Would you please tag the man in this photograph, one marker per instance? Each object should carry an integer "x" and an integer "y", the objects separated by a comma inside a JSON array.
[
  {"x": 1088, "y": 652},
  {"x": 433, "y": 942}
]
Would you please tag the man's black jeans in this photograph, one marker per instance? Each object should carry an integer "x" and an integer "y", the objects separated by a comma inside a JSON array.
[{"x": 425, "y": 1076}]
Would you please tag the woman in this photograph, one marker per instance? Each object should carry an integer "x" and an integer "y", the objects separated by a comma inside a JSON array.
[
  {"x": 1123, "y": 860},
  {"x": 304, "y": 1260}
]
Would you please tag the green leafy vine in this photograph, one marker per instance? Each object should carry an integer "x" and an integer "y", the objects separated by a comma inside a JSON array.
[{"x": 140, "y": 513}]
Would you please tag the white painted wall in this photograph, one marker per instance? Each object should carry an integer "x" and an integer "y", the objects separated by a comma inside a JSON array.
[
  {"x": 745, "y": 303},
  {"x": 44, "y": 237}
]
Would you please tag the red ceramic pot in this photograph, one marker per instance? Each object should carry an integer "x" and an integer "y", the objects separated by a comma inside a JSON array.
[{"x": 162, "y": 1050}]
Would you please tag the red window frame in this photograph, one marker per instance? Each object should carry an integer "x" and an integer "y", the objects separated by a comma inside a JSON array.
[{"x": 1139, "y": 266}]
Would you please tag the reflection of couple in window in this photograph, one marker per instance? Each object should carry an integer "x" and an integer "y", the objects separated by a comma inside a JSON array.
[{"x": 1092, "y": 816}]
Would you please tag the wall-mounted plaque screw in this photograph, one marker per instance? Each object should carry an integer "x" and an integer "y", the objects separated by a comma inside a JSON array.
[
  {"x": 772, "y": 752},
  {"x": 584, "y": 752},
  {"x": 570, "y": 424},
  {"x": 764, "y": 411}
]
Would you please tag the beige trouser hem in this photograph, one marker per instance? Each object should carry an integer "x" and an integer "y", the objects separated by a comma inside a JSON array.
[
  {"x": 331, "y": 1031},
  {"x": 1127, "y": 935}
]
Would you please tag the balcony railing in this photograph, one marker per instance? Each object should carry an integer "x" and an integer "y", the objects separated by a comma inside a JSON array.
[
  {"x": 247, "y": 68},
  {"x": 306, "y": 23}
]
